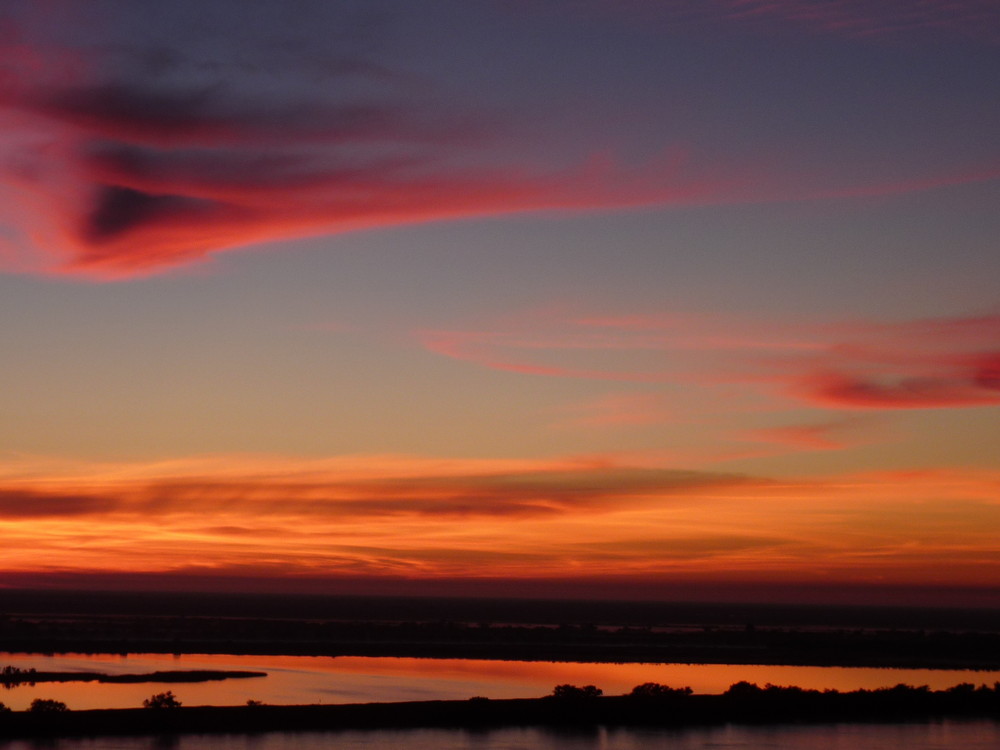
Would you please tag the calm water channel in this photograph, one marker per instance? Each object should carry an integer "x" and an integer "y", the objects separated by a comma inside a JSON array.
[
  {"x": 302, "y": 679},
  {"x": 946, "y": 735}
]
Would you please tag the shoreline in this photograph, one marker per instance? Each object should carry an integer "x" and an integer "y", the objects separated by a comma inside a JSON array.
[
  {"x": 742, "y": 704},
  {"x": 16, "y": 677},
  {"x": 46, "y": 622},
  {"x": 730, "y": 654}
]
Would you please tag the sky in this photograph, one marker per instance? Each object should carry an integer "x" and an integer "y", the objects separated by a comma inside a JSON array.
[{"x": 662, "y": 300}]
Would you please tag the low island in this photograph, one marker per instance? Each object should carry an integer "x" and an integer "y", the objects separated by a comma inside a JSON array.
[{"x": 14, "y": 676}]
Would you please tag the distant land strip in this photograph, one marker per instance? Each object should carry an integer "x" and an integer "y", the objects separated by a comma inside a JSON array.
[
  {"x": 742, "y": 703},
  {"x": 456, "y": 640},
  {"x": 11, "y": 677}
]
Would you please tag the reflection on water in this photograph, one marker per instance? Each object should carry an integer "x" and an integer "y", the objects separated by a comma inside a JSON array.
[
  {"x": 945, "y": 735},
  {"x": 316, "y": 679}
]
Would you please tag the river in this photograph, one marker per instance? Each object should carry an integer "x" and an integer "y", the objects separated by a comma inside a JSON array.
[
  {"x": 939, "y": 735},
  {"x": 306, "y": 679}
]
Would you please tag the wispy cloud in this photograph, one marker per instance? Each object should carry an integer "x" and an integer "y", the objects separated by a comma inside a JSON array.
[
  {"x": 933, "y": 363},
  {"x": 541, "y": 491},
  {"x": 919, "y": 364}
]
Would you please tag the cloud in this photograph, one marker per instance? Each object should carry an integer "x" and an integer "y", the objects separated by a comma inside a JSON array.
[
  {"x": 524, "y": 493},
  {"x": 424, "y": 520},
  {"x": 918, "y": 364},
  {"x": 538, "y": 490},
  {"x": 22, "y": 504},
  {"x": 126, "y": 158},
  {"x": 932, "y": 363},
  {"x": 963, "y": 387}
]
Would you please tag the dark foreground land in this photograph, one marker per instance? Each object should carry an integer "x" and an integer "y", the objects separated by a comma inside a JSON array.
[
  {"x": 743, "y": 703},
  {"x": 59, "y": 622}
]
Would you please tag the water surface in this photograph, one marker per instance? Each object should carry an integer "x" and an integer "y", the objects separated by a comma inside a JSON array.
[
  {"x": 943, "y": 735},
  {"x": 322, "y": 679}
]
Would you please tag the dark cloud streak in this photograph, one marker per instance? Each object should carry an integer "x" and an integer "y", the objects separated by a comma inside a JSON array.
[
  {"x": 527, "y": 494},
  {"x": 24, "y": 504}
]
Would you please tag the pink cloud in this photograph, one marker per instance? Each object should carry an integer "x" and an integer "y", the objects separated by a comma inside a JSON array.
[
  {"x": 121, "y": 161},
  {"x": 947, "y": 362},
  {"x": 844, "y": 391},
  {"x": 112, "y": 173},
  {"x": 918, "y": 364}
]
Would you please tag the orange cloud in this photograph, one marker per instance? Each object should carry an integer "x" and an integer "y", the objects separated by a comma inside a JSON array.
[{"x": 427, "y": 520}]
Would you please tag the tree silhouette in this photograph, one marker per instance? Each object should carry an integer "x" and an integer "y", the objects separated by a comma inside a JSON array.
[
  {"x": 573, "y": 692},
  {"x": 47, "y": 706},
  {"x": 162, "y": 700},
  {"x": 743, "y": 689},
  {"x": 654, "y": 690}
]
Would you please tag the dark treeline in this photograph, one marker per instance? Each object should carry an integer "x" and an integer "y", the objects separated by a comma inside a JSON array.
[
  {"x": 649, "y": 704},
  {"x": 492, "y": 610},
  {"x": 747, "y": 644},
  {"x": 12, "y": 676}
]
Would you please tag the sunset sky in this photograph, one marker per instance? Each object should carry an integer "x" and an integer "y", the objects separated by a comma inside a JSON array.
[{"x": 692, "y": 299}]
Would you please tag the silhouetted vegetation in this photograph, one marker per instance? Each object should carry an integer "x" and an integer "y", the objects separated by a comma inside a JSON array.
[
  {"x": 97, "y": 606},
  {"x": 649, "y": 704},
  {"x": 567, "y": 642},
  {"x": 13, "y": 676},
  {"x": 574, "y": 693},
  {"x": 656, "y": 691},
  {"x": 47, "y": 706},
  {"x": 162, "y": 701}
]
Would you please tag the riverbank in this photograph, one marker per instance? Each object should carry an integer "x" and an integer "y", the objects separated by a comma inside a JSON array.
[
  {"x": 12, "y": 676},
  {"x": 913, "y": 649},
  {"x": 743, "y": 703},
  {"x": 512, "y": 630}
]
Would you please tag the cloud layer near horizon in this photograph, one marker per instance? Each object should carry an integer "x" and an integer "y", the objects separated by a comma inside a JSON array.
[{"x": 427, "y": 519}]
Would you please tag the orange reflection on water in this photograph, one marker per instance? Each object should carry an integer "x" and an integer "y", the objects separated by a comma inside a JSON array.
[{"x": 308, "y": 679}]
